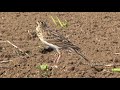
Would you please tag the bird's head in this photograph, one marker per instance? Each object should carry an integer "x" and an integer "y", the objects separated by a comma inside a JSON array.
[{"x": 41, "y": 24}]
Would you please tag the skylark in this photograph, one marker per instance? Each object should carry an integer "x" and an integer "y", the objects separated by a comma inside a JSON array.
[{"x": 55, "y": 40}]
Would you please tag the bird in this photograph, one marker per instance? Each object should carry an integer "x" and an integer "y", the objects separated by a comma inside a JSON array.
[{"x": 55, "y": 40}]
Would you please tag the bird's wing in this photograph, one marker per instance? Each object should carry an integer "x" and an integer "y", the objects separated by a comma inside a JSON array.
[
  {"x": 61, "y": 41},
  {"x": 57, "y": 39}
]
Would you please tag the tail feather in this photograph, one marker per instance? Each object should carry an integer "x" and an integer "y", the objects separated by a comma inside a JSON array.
[{"x": 78, "y": 51}]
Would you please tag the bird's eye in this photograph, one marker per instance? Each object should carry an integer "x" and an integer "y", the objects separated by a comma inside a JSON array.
[{"x": 42, "y": 22}]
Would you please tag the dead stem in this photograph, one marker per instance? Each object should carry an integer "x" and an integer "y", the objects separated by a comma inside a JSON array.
[{"x": 14, "y": 46}]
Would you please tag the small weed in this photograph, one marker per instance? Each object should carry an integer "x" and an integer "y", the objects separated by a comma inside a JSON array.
[
  {"x": 116, "y": 70},
  {"x": 57, "y": 22},
  {"x": 44, "y": 70},
  {"x": 43, "y": 67}
]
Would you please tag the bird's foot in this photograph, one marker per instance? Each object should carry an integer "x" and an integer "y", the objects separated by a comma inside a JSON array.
[{"x": 54, "y": 66}]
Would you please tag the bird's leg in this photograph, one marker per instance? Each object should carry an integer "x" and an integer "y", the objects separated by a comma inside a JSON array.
[{"x": 58, "y": 58}]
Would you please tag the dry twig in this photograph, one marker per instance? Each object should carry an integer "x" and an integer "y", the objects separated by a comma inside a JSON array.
[{"x": 13, "y": 46}]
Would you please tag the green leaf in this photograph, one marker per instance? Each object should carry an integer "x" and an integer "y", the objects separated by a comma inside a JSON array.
[
  {"x": 116, "y": 69},
  {"x": 43, "y": 67}
]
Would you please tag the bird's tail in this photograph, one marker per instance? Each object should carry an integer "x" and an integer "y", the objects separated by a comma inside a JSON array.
[{"x": 78, "y": 51}]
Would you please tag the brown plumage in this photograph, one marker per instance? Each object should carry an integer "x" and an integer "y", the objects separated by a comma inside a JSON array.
[{"x": 55, "y": 40}]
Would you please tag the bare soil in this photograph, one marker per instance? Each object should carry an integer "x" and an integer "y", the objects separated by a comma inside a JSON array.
[{"x": 97, "y": 34}]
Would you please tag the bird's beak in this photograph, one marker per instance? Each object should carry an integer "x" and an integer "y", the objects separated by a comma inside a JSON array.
[{"x": 38, "y": 22}]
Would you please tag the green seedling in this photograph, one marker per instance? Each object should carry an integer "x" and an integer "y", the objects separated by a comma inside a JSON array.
[
  {"x": 65, "y": 24},
  {"x": 43, "y": 67},
  {"x": 44, "y": 70},
  {"x": 116, "y": 69},
  {"x": 57, "y": 22},
  {"x": 53, "y": 20}
]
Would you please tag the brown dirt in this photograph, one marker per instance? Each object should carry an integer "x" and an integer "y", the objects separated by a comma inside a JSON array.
[{"x": 97, "y": 34}]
